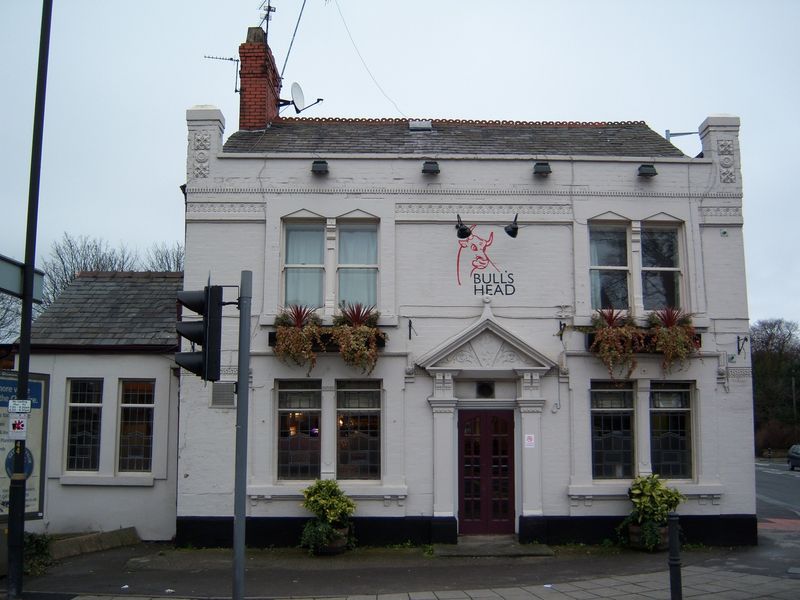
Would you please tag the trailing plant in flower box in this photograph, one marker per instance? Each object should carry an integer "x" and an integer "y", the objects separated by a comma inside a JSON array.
[
  {"x": 355, "y": 331},
  {"x": 673, "y": 336},
  {"x": 297, "y": 330},
  {"x": 616, "y": 341}
]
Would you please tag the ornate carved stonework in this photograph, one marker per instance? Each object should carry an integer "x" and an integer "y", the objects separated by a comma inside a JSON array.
[
  {"x": 486, "y": 351},
  {"x": 725, "y": 147},
  {"x": 740, "y": 372},
  {"x": 225, "y": 207},
  {"x": 202, "y": 140},
  {"x": 727, "y": 176},
  {"x": 721, "y": 211},
  {"x": 201, "y": 170}
]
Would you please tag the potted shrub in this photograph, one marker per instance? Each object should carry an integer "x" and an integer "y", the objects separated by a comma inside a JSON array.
[
  {"x": 297, "y": 330},
  {"x": 616, "y": 341},
  {"x": 329, "y": 531},
  {"x": 673, "y": 336},
  {"x": 355, "y": 331},
  {"x": 646, "y": 525}
]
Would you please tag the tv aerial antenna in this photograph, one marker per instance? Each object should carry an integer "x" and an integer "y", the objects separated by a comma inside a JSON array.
[
  {"x": 298, "y": 100},
  {"x": 236, "y": 66},
  {"x": 267, "y": 8}
]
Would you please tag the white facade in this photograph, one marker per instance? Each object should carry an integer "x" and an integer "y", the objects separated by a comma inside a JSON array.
[
  {"x": 105, "y": 499},
  {"x": 450, "y": 332}
]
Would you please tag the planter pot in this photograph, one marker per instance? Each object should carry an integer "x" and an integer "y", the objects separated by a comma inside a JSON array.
[
  {"x": 636, "y": 538},
  {"x": 337, "y": 545}
]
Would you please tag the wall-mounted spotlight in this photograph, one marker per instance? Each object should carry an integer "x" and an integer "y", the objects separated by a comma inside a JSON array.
[
  {"x": 647, "y": 171},
  {"x": 740, "y": 342},
  {"x": 462, "y": 231},
  {"x": 430, "y": 167},
  {"x": 542, "y": 169},
  {"x": 512, "y": 228},
  {"x": 319, "y": 167}
]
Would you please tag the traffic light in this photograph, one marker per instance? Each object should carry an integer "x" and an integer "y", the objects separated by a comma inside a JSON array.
[{"x": 206, "y": 333}]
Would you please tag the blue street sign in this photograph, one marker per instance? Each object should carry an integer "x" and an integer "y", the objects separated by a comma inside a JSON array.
[{"x": 8, "y": 391}]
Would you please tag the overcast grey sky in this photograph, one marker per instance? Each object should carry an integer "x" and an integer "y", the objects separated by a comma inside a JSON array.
[{"x": 122, "y": 75}]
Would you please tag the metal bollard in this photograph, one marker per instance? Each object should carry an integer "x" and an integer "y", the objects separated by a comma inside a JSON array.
[{"x": 675, "y": 585}]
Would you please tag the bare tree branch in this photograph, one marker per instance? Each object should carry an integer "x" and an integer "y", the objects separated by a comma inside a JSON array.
[
  {"x": 72, "y": 255},
  {"x": 162, "y": 257}
]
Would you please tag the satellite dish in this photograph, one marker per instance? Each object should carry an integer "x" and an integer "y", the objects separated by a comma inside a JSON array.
[{"x": 298, "y": 99}]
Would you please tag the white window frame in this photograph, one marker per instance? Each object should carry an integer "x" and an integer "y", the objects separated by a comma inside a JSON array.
[
  {"x": 372, "y": 386},
  {"x": 122, "y": 405},
  {"x": 370, "y": 226},
  {"x": 690, "y": 390},
  {"x": 68, "y": 422},
  {"x": 635, "y": 269},
  {"x": 651, "y": 227},
  {"x": 287, "y": 266},
  {"x": 331, "y": 230},
  {"x": 624, "y": 228}
]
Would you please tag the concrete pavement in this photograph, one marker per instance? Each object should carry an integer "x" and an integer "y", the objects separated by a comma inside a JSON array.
[{"x": 145, "y": 571}]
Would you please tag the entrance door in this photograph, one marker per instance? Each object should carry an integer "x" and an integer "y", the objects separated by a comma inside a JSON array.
[{"x": 486, "y": 478}]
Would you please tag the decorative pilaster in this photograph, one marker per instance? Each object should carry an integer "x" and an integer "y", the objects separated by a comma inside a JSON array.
[
  {"x": 444, "y": 460},
  {"x": 206, "y": 126},
  {"x": 530, "y": 404}
]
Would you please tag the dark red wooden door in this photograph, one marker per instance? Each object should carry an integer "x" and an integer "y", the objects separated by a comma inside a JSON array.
[{"x": 486, "y": 481}]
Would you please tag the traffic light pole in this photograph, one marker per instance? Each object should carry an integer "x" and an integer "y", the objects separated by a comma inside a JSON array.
[{"x": 242, "y": 401}]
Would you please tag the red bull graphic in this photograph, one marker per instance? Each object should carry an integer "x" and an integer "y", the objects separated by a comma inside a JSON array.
[{"x": 473, "y": 256}]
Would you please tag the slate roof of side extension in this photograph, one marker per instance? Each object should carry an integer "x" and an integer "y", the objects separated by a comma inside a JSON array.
[
  {"x": 392, "y": 136},
  {"x": 114, "y": 311}
]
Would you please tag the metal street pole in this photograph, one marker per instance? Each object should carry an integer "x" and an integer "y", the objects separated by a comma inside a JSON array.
[
  {"x": 242, "y": 400},
  {"x": 16, "y": 489}
]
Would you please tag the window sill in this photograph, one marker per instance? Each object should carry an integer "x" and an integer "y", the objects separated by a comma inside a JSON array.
[
  {"x": 145, "y": 480},
  {"x": 268, "y": 320},
  {"x": 618, "y": 490},
  {"x": 358, "y": 490}
]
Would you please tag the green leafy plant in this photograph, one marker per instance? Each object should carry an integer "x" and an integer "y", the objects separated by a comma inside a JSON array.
[
  {"x": 36, "y": 553},
  {"x": 616, "y": 342},
  {"x": 652, "y": 502},
  {"x": 355, "y": 331},
  {"x": 673, "y": 336},
  {"x": 297, "y": 330},
  {"x": 329, "y": 531}
]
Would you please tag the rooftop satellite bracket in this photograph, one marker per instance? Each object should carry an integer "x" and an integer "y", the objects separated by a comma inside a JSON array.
[{"x": 298, "y": 100}]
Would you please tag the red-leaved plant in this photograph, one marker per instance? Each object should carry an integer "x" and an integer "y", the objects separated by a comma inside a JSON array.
[
  {"x": 298, "y": 329},
  {"x": 673, "y": 336},
  {"x": 616, "y": 341},
  {"x": 355, "y": 331}
]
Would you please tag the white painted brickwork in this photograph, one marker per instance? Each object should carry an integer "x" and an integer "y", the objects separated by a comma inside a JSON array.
[{"x": 235, "y": 211}]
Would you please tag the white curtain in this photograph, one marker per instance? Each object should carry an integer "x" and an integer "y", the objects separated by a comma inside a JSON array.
[{"x": 305, "y": 245}]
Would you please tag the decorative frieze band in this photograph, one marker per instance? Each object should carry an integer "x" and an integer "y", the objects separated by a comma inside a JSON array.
[
  {"x": 483, "y": 209},
  {"x": 437, "y": 191},
  {"x": 721, "y": 211},
  {"x": 226, "y": 207},
  {"x": 740, "y": 372}
]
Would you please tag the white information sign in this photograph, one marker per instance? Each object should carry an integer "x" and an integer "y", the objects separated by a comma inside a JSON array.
[
  {"x": 530, "y": 440},
  {"x": 19, "y": 406},
  {"x": 18, "y": 426}
]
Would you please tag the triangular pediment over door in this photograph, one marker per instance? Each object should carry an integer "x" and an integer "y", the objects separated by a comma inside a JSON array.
[{"x": 485, "y": 349}]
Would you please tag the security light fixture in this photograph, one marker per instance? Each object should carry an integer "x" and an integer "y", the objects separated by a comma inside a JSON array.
[
  {"x": 319, "y": 167},
  {"x": 430, "y": 167},
  {"x": 512, "y": 228},
  {"x": 542, "y": 169},
  {"x": 647, "y": 171},
  {"x": 462, "y": 231}
]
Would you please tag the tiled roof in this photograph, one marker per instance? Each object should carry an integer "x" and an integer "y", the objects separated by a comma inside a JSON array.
[
  {"x": 392, "y": 136},
  {"x": 114, "y": 310}
]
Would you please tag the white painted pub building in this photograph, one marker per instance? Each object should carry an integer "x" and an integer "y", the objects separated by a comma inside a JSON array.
[{"x": 486, "y": 412}]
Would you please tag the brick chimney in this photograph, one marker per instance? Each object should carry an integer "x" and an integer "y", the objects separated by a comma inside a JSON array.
[{"x": 260, "y": 87}]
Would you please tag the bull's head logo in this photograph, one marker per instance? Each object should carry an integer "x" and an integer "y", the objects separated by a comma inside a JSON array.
[{"x": 474, "y": 248}]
